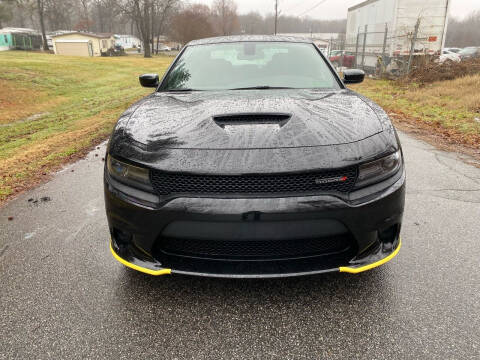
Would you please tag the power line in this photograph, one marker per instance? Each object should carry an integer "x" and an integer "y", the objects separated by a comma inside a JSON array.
[
  {"x": 313, "y": 8},
  {"x": 294, "y": 7}
]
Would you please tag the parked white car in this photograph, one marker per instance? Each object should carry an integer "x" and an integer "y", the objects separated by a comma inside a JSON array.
[
  {"x": 164, "y": 47},
  {"x": 453, "y": 49},
  {"x": 448, "y": 55}
]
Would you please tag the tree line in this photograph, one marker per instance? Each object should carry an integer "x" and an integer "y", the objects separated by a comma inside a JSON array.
[
  {"x": 462, "y": 33},
  {"x": 148, "y": 19},
  {"x": 179, "y": 20}
]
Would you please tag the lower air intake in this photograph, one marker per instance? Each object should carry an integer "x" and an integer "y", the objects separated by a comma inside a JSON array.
[{"x": 254, "y": 249}]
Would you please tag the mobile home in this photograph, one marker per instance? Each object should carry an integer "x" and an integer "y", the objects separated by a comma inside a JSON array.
[{"x": 19, "y": 39}]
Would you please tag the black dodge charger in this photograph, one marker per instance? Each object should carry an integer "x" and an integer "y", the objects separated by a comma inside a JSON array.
[{"x": 252, "y": 159}]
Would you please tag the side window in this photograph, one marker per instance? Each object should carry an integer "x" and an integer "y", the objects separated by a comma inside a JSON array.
[
  {"x": 6, "y": 38},
  {"x": 104, "y": 43}
]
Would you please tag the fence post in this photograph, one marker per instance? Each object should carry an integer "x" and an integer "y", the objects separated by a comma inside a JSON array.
[
  {"x": 342, "y": 58},
  {"x": 356, "y": 48},
  {"x": 363, "y": 46},
  {"x": 382, "y": 68},
  {"x": 412, "y": 48}
]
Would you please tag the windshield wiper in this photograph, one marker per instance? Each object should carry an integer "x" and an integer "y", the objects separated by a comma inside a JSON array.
[
  {"x": 181, "y": 90},
  {"x": 262, "y": 87}
]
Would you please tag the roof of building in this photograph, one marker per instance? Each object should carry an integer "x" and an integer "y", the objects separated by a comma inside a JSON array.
[
  {"x": 362, "y": 4},
  {"x": 18, "y": 30},
  {"x": 240, "y": 38},
  {"x": 71, "y": 41},
  {"x": 97, "y": 35},
  {"x": 125, "y": 36}
]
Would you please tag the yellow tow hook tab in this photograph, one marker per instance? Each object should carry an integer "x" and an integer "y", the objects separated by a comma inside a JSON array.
[
  {"x": 360, "y": 269},
  {"x": 139, "y": 268}
]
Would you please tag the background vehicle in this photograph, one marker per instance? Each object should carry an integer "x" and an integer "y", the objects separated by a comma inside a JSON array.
[
  {"x": 342, "y": 58},
  {"x": 164, "y": 47},
  {"x": 118, "y": 50},
  {"x": 454, "y": 50},
  {"x": 448, "y": 55},
  {"x": 470, "y": 53}
]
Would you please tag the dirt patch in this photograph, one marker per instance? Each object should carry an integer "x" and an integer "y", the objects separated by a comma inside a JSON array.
[
  {"x": 441, "y": 138},
  {"x": 449, "y": 70},
  {"x": 21, "y": 104}
]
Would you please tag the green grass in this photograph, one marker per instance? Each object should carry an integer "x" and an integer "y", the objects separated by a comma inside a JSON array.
[
  {"x": 53, "y": 107},
  {"x": 450, "y": 107}
]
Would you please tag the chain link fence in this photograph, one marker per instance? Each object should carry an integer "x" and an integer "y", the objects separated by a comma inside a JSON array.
[{"x": 379, "y": 52}]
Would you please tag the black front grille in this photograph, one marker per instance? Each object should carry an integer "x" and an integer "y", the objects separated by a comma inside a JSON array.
[
  {"x": 177, "y": 183},
  {"x": 254, "y": 249}
]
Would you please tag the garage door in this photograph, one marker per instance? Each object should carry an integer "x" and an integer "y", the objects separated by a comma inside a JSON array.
[{"x": 72, "y": 48}]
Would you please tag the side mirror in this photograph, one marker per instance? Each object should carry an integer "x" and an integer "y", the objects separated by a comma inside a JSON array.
[
  {"x": 149, "y": 80},
  {"x": 353, "y": 76}
]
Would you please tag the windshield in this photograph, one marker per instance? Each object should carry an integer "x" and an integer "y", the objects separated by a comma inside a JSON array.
[{"x": 250, "y": 65}]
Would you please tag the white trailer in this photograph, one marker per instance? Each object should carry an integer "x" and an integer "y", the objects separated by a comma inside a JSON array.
[{"x": 376, "y": 27}]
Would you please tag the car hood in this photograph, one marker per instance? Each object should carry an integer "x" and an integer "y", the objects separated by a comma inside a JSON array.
[{"x": 310, "y": 118}]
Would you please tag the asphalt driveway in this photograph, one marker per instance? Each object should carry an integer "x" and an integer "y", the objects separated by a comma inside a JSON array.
[{"x": 62, "y": 295}]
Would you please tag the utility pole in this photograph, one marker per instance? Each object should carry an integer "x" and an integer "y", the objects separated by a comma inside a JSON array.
[{"x": 276, "y": 16}]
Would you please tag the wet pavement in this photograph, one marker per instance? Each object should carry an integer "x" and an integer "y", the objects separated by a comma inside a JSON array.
[{"x": 62, "y": 295}]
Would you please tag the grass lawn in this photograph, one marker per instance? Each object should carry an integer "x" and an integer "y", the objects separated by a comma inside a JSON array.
[
  {"x": 54, "y": 107},
  {"x": 447, "y": 109}
]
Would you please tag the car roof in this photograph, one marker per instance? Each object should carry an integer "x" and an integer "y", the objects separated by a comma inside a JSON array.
[{"x": 258, "y": 38}]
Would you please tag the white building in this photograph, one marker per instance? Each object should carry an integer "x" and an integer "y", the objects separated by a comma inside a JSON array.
[
  {"x": 127, "y": 41},
  {"x": 400, "y": 17}
]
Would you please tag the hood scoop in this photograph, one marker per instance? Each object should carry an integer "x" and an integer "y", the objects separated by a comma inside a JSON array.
[{"x": 279, "y": 119}]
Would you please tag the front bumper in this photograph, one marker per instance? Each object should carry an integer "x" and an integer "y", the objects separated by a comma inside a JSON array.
[{"x": 372, "y": 218}]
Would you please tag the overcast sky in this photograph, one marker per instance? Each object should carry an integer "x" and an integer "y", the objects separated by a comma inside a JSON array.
[{"x": 328, "y": 9}]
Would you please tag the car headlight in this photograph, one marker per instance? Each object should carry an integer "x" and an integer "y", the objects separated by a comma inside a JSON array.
[
  {"x": 378, "y": 170},
  {"x": 129, "y": 174}
]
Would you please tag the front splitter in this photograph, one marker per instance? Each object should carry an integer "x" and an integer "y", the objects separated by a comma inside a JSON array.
[{"x": 345, "y": 269}]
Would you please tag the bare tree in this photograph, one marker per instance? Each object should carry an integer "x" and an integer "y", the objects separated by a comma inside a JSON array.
[
  {"x": 197, "y": 17},
  {"x": 139, "y": 11},
  {"x": 60, "y": 14},
  {"x": 42, "y": 23},
  {"x": 460, "y": 33},
  {"x": 225, "y": 17},
  {"x": 142, "y": 16},
  {"x": 84, "y": 24},
  {"x": 5, "y": 11},
  {"x": 254, "y": 23},
  {"x": 163, "y": 8}
]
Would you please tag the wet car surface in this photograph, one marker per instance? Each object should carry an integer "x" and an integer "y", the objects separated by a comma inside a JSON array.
[
  {"x": 270, "y": 168},
  {"x": 64, "y": 296}
]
